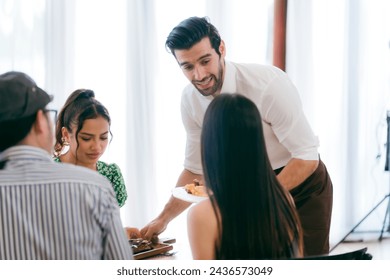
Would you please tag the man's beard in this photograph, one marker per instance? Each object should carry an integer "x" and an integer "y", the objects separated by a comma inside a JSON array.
[{"x": 216, "y": 86}]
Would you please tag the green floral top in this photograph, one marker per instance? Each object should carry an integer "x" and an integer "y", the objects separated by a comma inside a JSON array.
[{"x": 113, "y": 173}]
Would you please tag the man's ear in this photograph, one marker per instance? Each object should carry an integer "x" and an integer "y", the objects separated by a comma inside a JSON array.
[
  {"x": 40, "y": 124},
  {"x": 222, "y": 48}
]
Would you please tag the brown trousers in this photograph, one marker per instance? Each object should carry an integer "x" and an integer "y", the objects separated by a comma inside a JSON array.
[{"x": 314, "y": 200}]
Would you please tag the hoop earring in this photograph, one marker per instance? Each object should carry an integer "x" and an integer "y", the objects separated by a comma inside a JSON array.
[{"x": 64, "y": 142}]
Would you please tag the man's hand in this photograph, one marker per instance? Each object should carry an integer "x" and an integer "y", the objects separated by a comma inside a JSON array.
[
  {"x": 171, "y": 210},
  {"x": 153, "y": 229},
  {"x": 296, "y": 171}
]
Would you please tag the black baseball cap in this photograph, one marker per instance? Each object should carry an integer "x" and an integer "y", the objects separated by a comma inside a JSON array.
[{"x": 20, "y": 96}]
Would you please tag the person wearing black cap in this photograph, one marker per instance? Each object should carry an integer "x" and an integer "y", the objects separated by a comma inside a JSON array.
[
  {"x": 20, "y": 101},
  {"x": 49, "y": 210}
]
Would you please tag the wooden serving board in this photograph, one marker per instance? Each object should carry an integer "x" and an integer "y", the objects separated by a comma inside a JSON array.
[
  {"x": 164, "y": 245},
  {"x": 159, "y": 248}
]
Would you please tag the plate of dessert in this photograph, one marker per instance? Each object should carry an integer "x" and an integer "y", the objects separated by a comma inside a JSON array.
[
  {"x": 193, "y": 192},
  {"x": 143, "y": 249}
]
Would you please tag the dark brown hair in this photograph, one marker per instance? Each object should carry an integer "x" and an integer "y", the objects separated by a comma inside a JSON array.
[
  {"x": 256, "y": 215},
  {"x": 191, "y": 31},
  {"x": 81, "y": 105}
]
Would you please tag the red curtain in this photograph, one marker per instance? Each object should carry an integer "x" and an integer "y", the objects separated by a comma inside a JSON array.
[{"x": 279, "y": 44}]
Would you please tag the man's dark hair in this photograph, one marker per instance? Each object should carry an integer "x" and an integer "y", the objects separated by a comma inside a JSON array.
[
  {"x": 192, "y": 31},
  {"x": 15, "y": 131}
]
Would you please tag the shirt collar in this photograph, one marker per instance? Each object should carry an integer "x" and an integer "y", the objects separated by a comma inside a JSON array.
[
  {"x": 25, "y": 152},
  {"x": 229, "y": 81}
]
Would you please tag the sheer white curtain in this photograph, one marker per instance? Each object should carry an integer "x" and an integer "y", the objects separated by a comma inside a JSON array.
[
  {"x": 36, "y": 37},
  {"x": 338, "y": 56},
  {"x": 140, "y": 119},
  {"x": 22, "y": 37},
  {"x": 372, "y": 80}
]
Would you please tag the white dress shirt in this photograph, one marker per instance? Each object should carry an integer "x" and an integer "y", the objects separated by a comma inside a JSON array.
[{"x": 286, "y": 130}]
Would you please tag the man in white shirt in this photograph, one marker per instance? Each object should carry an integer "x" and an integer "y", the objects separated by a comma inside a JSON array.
[{"x": 291, "y": 144}]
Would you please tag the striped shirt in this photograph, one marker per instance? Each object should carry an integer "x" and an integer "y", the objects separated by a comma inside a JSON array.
[{"x": 56, "y": 211}]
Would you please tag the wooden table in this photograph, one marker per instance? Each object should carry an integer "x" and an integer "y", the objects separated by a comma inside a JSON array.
[{"x": 181, "y": 251}]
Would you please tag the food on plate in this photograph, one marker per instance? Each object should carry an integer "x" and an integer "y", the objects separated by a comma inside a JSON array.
[
  {"x": 140, "y": 245},
  {"x": 196, "y": 189}
]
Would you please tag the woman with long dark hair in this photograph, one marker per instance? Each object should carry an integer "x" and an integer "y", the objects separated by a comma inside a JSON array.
[{"x": 248, "y": 215}]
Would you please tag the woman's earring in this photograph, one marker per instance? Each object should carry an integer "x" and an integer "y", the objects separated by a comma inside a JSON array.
[{"x": 64, "y": 142}]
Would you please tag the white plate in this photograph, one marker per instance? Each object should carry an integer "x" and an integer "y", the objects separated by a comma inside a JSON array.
[{"x": 182, "y": 194}]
